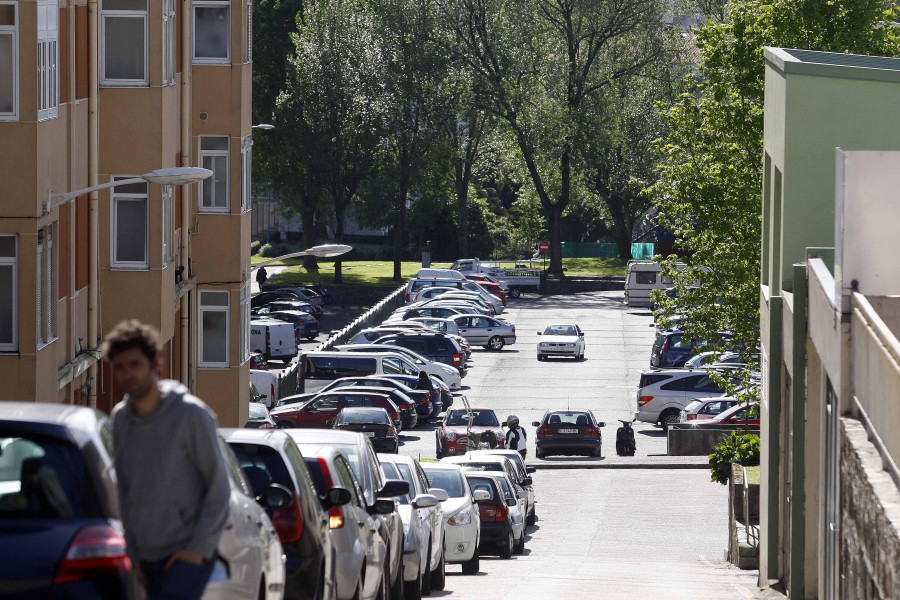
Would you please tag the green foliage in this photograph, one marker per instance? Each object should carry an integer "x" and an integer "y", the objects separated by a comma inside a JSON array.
[
  {"x": 741, "y": 449},
  {"x": 272, "y": 250},
  {"x": 254, "y": 247}
]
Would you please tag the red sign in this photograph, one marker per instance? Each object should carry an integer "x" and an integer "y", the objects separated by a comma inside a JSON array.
[{"x": 544, "y": 248}]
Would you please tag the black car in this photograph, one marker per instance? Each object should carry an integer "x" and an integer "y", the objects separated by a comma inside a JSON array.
[
  {"x": 305, "y": 324},
  {"x": 321, "y": 290},
  {"x": 289, "y": 304},
  {"x": 496, "y": 527},
  {"x": 421, "y": 398},
  {"x": 374, "y": 423},
  {"x": 568, "y": 432},
  {"x": 60, "y": 531},
  {"x": 263, "y": 298},
  {"x": 436, "y": 347},
  {"x": 672, "y": 348},
  {"x": 441, "y": 398}
]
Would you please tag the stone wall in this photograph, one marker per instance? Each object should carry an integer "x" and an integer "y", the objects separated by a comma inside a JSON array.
[{"x": 870, "y": 520}]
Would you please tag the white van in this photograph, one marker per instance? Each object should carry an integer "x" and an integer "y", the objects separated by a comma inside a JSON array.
[
  {"x": 643, "y": 276},
  {"x": 321, "y": 368},
  {"x": 273, "y": 339},
  {"x": 439, "y": 274}
]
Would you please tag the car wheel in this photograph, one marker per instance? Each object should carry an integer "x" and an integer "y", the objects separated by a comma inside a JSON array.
[
  {"x": 412, "y": 590},
  {"x": 515, "y": 292},
  {"x": 439, "y": 575},
  {"x": 531, "y": 519},
  {"x": 539, "y": 454},
  {"x": 668, "y": 419},
  {"x": 426, "y": 578},
  {"x": 471, "y": 566},
  {"x": 437, "y": 451},
  {"x": 519, "y": 548},
  {"x": 505, "y": 549},
  {"x": 496, "y": 343},
  {"x": 284, "y": 425}
]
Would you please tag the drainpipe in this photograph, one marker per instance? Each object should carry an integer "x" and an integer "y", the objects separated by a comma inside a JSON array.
[
  {"x": 186, "y": 52},
  {"x": 73, "y": 207},
  {"x": 93, "y": 177}
]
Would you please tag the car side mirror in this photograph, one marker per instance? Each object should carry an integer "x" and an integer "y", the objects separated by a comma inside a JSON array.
[
  {"x": 540, "y": 333},
  {"x": 276, "y": 495},
  {"x": 511, "y": 501},
  {"x": 530, "y": 469},
  {"x": 338, "y": 496},
  {"x": 480, "y": 496},
  {"x": 581, "y": 334},
  {"x": 393, "y": 488},
  {"x": 329, "y": 423},
  {"x": 527, "y": 480},
  {"x": 536, "y": 423},
  {"x": 440, "y": 494},
  {"x": 601, "y": 423},
  {"x": 384, "y": 506},
  {"x": 425, "y": 501}
]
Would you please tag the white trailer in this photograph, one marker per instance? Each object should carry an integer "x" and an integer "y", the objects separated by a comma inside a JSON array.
[{"x": 519, "y": 275}]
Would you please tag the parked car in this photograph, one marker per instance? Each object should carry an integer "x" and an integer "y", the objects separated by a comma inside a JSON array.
[
  {"x": 662, "y": 394},
  {"x": 62, "y": 534},
  {"x": 462, "y": 520},
  {"x": 404, "y": 397},
  {"x": 439, "y": 312},
  {"x": 450, "y": 375},
  {"x": 561, "y": 340},
  {"x": 361, "y": 552},
  {"x": 263, "y": 298},
  {"x": 485, "y": 331},
  {"x": 378, "y": 491},
  {"x": 273, "y": 339},
  {"x": 305, "y": 325},
  {"x": 417, "y": 284},
  {"x": 295, "y": 304},
  {"x": 305, "y": 295},
  {"x": 370, "y": 335},
  {"x": 433, "y": 346},
  {"x": 451, "y": 435},
  {"x": 266, "y": 384},
  {"x": 515, "y": 499},
  {"x": 481, "y": 297},
  {"x": 740, "y": 414},
  {"x": 702, "y": 410},
  {"x": 522, "y": 476},
  {"x": 476, "y": 460},
  {"x": 250, "y": 561},
  {"x": 374, "y": 423},
  {"x": 447, "y": 327},
  {"x": 259, "y": 417},
  {"x": 273, "y": 466},
  {"x": 482, "y": 278},
  {"x": 496, "y": 526},
  {"x": 423, "y": 522},
  {"x": 463, "y": 305},
  {"x": 322, "y": 410},
  {"x": 405, "y": 405},
  {"x": 321, "y": 368},
  {"x": 258, "y": 361},
  {"x": 321, "y": 290},
  {"x": 444, "y": 394},
  {"x": 568, "y": 432},
  {"x": 671, "y": 348}
]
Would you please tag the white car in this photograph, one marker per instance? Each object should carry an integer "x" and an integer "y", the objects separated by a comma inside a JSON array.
[
  {"x": 250, "y": 562},
  {"x": 462, "y": 519},
  {"x": 444, "y": 293},
  {"x": 423, "y": 526},
  {"x": 705, "y": 409},
  {"x": 267, "y": 385},
  {"x": 663, "y": 393},
  {"x": 446, "y": 373},
  {"x": 561, "y": 340}
]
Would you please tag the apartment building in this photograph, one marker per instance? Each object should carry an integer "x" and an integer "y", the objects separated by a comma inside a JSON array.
[
  {"x": 829, "y": 321},
  {"x": 97, "y": 92}
]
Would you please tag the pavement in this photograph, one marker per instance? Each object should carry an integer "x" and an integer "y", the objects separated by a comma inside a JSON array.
[{"x": 648, "y": 526}]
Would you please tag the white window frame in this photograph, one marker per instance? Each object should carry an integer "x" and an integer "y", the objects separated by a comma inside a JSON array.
[
  {"x": 13, "y": 30},
  {"x": 202, "y": 308},
  {"x": 245, "y": 323},
  {"x": 118, "y": 196},
  {"x": 39, "y": 313},
  {"x": 210, "y": 181},
  {"x": 246, "y": 172},
  {"x": 13, "y": 261},
  {"x": 248, "y": 32},
  {"x": 219, "y": 60},
  {"x": 137, "y": 14},
  {"x": 169, "y": 42},
  {"x": 50, "y": 285},
  {"x": 168, "y": 226},
  {"x": 48, "y": 60}
]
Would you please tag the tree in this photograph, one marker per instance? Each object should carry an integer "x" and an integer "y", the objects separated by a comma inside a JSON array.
[{"x": 543, "y": 66}]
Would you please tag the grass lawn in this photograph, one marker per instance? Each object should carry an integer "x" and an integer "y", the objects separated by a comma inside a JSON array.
[
  {"x": 754, "y": 475},
  {"x": 594, "y": 267}
]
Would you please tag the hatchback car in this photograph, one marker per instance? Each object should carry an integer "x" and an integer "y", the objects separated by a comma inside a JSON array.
[
  {"x": 438, "y": 312},
  {"x": 561, "y": 340},
  {"x": 439, "y": 403},
  {"x": 496, "y": 526},
  {"x": 451, "y": 436},
  {"x": 374, "y": 423},
  {"x": 421, "y": 398},
  {"x": 568, "y": 432},
  {"x": 500, "y": 465},
  {"x": 491, "y": 333},
  {"x": 702, "y": 410},
  {"x": 521, "y": 474},
  {"x": 462, "y": 520},
  {"x": 323, "y": 409}
]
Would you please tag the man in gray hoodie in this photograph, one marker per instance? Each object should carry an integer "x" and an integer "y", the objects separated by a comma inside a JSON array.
[{"x": 173, "y": 486}]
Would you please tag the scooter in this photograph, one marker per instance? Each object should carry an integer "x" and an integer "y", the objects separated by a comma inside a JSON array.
[{"x": 625, "y": 445}]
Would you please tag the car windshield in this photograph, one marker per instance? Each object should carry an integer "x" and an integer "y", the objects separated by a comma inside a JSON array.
[
  {"x": 482, "y": 483},
  {"x": 484, "y": 418},
  {"x": 559, "y": 330},
  {"x": 568, "y": 418},
  {"x": 363, "y": 416},
  {"x": 449, "y": 481}
]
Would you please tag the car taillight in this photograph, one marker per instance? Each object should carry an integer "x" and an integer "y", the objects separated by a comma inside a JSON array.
[
  {"x": 545, "y": 430},
  {"x": 327, "y": 481},
  {"x": 514, "y": 329},
  {"x": 665, "y": 347},
  {"x": 692, "y": 417},
  {"x": 394, "y": 415},
  {"x": 96, "y": 551},
  {"x": 268, "y": 339},
  {"x": 409, "y": 297},
  {"x": 591, "y": 431},
  {"x": 266, "y": 425},
  {"x": 502, "y": 513},
  {"x": 288, "y": 521},
  {"x": 297, "y": 337},
  {"x": 272, "y": 391},
  {"x": 335, "y": 517},
  {"x": 644, "y": 400},
  {"x": 456, "y": 360}
]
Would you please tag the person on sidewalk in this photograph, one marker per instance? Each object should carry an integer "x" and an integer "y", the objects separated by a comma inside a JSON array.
[
  {"x": 516, "y": 438},
  {"x": 173, "y": 484},
  {"x": 261, "y": 277}
]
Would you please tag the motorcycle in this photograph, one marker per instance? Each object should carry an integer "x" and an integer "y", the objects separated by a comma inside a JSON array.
[{"x": 625, "y": 444}]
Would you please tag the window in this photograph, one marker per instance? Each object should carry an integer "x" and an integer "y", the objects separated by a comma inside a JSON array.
[
  {"x": 645, "y": 277},
  {"x": 123, "y": 35},
  {"x": 129, "y": 226},
  {"x": 214, "y": 156},
  {"x": 246, "y": 172},
  {"x": 168, "y": 225},
  {"x": 9, "y": 61},
  {"x": 9, "y": 317},
  {"x": 214, "y": 329},
  {"x": 245, "y": 323},
  {"x": 48, "y": 59},
  {"x": 212, "y": 32},
  {"x": 46, "y": 287},
  {"x": 169, "y": 41}
]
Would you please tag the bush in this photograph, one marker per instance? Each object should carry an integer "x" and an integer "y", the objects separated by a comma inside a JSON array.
[
  {"x": 742, "y": 449},
  {"x": 255, "y": 246},
  {"x": 273, "y": 250}
]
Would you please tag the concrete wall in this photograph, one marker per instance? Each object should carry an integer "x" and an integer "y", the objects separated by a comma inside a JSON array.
[{"x": 685, "y": 440}]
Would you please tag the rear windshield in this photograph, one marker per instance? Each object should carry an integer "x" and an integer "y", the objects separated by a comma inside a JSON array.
[
  {"x": 363, "y": 416},
  {"x": 650, "y": 379},
  {"x": 449, "y": 481},
  {"x": 44, "y": 478},
  {"x": 569, "y": 418},
  {"x": 482, "y": 483},
  {"x": 334, "y": 367},
  {"x": 262, "y": 466}
]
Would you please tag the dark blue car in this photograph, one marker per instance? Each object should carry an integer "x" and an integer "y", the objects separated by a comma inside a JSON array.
[{"x": 672, "y": 348}]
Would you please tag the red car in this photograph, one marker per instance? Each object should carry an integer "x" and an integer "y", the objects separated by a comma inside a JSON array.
[
  {"x": 258, "y": 361},
  {"x": 489, "y": 286},
  {"x": 451, "y": 433},
  {"x": 322, "y": 410},
  {"x": 741, "y": 414}
]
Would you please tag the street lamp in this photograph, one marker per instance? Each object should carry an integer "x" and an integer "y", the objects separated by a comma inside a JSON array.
[
  {"x": 168, "y": 176},
  {"x": 263, "y": 126},
  {"x": 323, "y": 251}
]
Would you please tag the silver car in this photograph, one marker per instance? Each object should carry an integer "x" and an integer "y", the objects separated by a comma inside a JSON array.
[
  {"x": 485, "y": 331},
  {"x": 423, "y": 526}
]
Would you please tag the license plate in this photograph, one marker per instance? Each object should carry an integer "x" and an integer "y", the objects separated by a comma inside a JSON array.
[
  {"x": 568, "y": 431},
  {"x": 370, "y": 434}
]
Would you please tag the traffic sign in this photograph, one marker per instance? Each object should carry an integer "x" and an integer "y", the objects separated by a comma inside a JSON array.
[{"x": 544, "y": 248}]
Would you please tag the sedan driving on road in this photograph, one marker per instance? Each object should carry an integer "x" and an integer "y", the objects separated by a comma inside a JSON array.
[
  {"x": 568, "y": 432},
  {"x": 561, "y": 340}
]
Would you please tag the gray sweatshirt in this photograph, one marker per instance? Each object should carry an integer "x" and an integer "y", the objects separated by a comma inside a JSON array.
[{"x": 173, "y": 485}]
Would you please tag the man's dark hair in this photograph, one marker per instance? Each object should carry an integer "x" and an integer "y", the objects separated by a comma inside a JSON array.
[{"x": 131, "y": 334}]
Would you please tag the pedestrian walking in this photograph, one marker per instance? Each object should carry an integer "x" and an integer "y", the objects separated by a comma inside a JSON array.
[
  {"x": 516, "y": 438},
  {"x": 173, "y": 486},
  {"x": 261, "y": 277},
  {"x": 424, "y": 382}
]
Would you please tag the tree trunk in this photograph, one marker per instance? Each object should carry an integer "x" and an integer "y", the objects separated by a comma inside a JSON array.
[
  {"x": 554, "y": 215},
  {"x": 400, "y": 221},
  {"x": 338, "y": 238},
  {"x": 308, "y": 222},
  {"x": 621, "y": 227},
  {"x": 462, "y": 203}
]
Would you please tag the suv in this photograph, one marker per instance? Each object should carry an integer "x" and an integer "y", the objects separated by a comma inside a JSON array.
[
  {"x": 662, "y": 395},
  {"x": 323, "y": 409},
  {"x": 436, "y": 347},
  {"x": 670, "y": 349}
]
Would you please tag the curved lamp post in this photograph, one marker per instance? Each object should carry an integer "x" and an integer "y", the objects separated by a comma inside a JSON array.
[{"x": 323, "y": 251}]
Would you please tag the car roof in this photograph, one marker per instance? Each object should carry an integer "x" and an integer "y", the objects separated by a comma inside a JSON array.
[
  {"x": 323, "y": 436},
  {"x": 568, "y": 411},
  {"x": 492, "y": 459},
  {"x": 47, "y": 412},
  {"x": 443, "y": 466},
  {"x": 473, "y": 408},
  {"x": 273, "y": 438}
]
